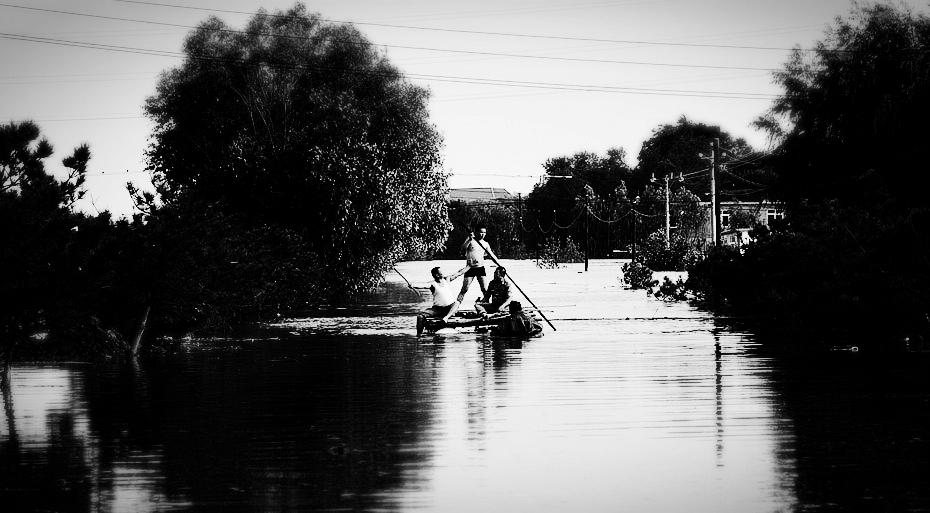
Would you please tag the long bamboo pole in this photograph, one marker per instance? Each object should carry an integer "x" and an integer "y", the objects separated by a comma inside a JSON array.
[{"x": 409, "y": 286}]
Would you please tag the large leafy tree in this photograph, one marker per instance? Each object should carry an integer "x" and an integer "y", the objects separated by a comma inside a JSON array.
[
  {"x": 855, "y": 108},
  {"x": 583, "y": 197},
  {"x": 850, "y": 146},
  {"x": 304, "y": 126},
  {"x": 685, "y": 148},
  {"x": 502, "y": 219},
  {"x": 36, "y": 256}
]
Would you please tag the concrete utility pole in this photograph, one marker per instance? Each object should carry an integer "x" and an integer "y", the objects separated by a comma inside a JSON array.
[
  {"x": 668, "y": 217},
  {"x": 587, "y": 213},
  {"x": 633, "y": 210},
  {"x": 713, "y": 190}
]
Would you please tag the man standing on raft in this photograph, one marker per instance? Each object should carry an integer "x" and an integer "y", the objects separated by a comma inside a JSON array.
[{"x": 476, "y": 249}]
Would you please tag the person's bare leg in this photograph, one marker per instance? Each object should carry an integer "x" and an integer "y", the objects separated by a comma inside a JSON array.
[
  {"x": 484, "y": 286},
  {"x": 454, "y": 308},
  {"x": 466, "y": 283}
]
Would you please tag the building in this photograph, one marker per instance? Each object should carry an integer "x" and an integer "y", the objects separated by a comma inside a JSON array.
[
  {"x": 479, "y": 195},
  {"x": 764, "y": 212},
  {"x": 736, "y": 237}
]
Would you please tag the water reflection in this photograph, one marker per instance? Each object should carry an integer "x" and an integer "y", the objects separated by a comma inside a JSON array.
[
  {"x": 230, "y": 428},
  {"x": 44, "y": 462},
  {"x": 631, "y": 405},
  {"x": 859, "y": 422}
]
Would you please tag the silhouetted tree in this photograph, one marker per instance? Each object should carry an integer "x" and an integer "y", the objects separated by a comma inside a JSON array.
[
  {"x": 301, "y": 127},
  {"x": 37, "y": 231},
  {"x": 850, "y": 138}
]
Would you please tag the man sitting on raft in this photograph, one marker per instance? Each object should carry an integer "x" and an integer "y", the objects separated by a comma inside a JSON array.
[
  {"x": 445, "y": 303},
  {"x": 498, "y": 292}
]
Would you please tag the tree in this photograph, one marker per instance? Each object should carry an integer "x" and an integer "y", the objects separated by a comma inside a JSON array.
[
  {"x": 584, "y": 196},
  {"x": 502, "y": 220},
  {"x": 849, "y": 136},
  {"x": 603, "y": 174},
  {"x": 675, "y": 150},
  {"x": 36, "y": 257},
  {"x": 302, "y": 125},
  {"x": 853, "y": 116},
  {"x": 687, "y": 220}
]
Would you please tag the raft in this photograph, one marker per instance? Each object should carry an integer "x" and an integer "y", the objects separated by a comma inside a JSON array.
[
  {"x": 467, "y": 319},
  {"x": 431, "y": 324}
]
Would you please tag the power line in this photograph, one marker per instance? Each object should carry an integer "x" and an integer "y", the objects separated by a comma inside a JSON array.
[
  {"x": 595, "y": 88},
  {"x": 94, "y": 46},
  {"x": 419, "y": 48},
  {"x": 78, "y": 75},
  {"x": 97, "y": 16},
  {"x": 481, "y": 32},
  {"x": 436, "y": 78},
  {"x": 95, "y": 118},
  {"x": 20, "y": 81},
  {"x": 104, "y": 173},
  {"x": 498, "y": 174}
]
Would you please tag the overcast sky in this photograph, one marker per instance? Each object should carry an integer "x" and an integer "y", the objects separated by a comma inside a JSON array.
[{"x": 513, "y": 82}]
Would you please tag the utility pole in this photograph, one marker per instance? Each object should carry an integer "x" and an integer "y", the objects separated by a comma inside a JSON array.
[
  {"x": 715, "y": 203},
  {"x": 587, "y": 211},
  {"x": 633, "y": 211},
  {"x": 668, "y": 217}
]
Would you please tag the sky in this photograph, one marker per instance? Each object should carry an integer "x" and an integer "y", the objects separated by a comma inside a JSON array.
[{"x": 513, "y": 83}]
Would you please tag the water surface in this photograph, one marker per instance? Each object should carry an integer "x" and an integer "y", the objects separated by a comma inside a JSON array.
[{"x": 631, "y": 404}]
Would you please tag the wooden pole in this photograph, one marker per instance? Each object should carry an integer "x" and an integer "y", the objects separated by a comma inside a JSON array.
[
  {"x": 409, "y": 286},
  {"x": 715, "y": 201}
]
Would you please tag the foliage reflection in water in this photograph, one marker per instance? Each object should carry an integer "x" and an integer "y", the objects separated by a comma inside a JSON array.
[{"x": 633, "y": 404}]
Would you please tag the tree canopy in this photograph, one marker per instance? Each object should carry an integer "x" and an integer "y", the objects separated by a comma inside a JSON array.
[
  {"x": 580, "y": 193},
  {"x": 850, "y": 145},
  {"x": 42, "y": 251},
  {"x": 685, "y": 149},
  {"x": 303, "y": 125},
  {"x": 855, "y": 107}
]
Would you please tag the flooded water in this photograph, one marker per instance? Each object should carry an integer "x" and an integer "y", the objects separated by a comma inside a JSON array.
[{"x": 630, "y": 404}]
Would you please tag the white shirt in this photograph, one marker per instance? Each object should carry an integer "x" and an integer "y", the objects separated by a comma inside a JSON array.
[{"x": 443, "y": 295}]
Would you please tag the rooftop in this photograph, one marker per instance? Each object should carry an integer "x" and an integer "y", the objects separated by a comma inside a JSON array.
[{"x": 477, "y": 194}]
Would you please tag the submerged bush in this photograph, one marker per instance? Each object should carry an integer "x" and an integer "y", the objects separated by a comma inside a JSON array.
[
  {"x": 638, "y": 276},
  {"x": 672, "y": 291},
  {"x": 659, "y": 255},
  {"x": 553, "y": 253}
]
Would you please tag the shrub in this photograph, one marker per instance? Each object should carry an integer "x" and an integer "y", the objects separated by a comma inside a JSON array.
[
  {"x": 553, "y": 254},
  {"x": 672, "y": 291},
  {"x": 659, "y": 256},
  {"x": 638, "y": 275}
]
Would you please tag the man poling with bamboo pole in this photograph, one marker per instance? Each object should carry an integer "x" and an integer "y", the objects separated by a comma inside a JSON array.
[{"x": 475, "y": 253}]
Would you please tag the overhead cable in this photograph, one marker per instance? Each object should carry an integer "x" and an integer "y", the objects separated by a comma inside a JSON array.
[
  {"x": 435, "y": 78},
  {"x": 508, "y": 34},
  {"x": 420, "y": 48}
]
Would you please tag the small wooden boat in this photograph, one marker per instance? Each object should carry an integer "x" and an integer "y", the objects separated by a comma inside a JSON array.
[{"x": 467, "y": 319}]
